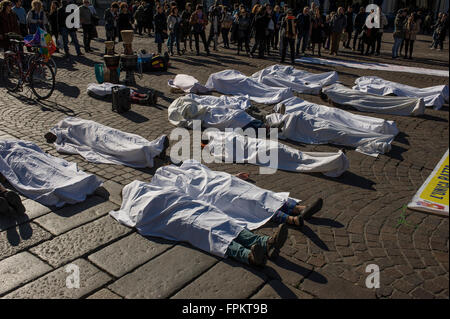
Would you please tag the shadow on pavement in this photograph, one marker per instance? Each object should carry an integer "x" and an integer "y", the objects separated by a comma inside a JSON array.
[{"x": 308, "y": 232}]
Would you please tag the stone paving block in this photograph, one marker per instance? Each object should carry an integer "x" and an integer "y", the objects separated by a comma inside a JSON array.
[
  {"x": 334, "y": 288},
  {"x": 287, "y": 270},
  {"x": 19, "y": 238},
  {"x": 104, "y": 294},
  {"x": 275, "y": 289},
  {"x": 80, "y": 241},
  {"x": 163, "y": 276},
  {"x": 112, "y": 191},
  {"x": 32, "y": 210},
  {"x": 128, "y": 253},
  {"x": 226, "y": 280},
  {"x": 19, "y": 269},
  {"x": 54, "y": 285},
  {"x": 73, "y": 216}
]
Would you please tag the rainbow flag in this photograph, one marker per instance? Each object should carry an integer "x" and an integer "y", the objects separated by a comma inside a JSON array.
[{"x": 45, "y": 42}]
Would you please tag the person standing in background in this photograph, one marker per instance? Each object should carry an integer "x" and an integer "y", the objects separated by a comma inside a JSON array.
[
  {"x": 139, "y": 17},
  {"x": 21, "y": 16},
  {"x": 186, "y": 26},
  {"x": 380, "y": 31},
  {"x": 338, "y": 25},
  {"x": 199, "y": 21},
  {"x": 411, "y": 30},
  {"x": 349, "y": 27},
  {"x": 36, "y": 18},
  {"x": 160, "y": 27},
  {"x": 87, "y": 25},
  {"x": 399, "y": 32},
  {"x": 317, "y": 32},
  {"x": 111, "y": 15},
  {"x": 243, "y": 31},
  {"x": 289, "y": 33},
  {"x": 360, "y": 20},
  {"x": 226, "y": 22},
  {"x": 53, "y": 21},
  {"x": 173, "y": 26},
  {"x": 303, "y": 23}
]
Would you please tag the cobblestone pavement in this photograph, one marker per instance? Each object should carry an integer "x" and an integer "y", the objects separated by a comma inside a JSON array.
[{"x": 358, "y": 225}]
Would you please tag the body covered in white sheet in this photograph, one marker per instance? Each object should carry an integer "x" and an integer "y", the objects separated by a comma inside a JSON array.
[
  {"x": 234, "y": 147},
  {"x": 218, "y": 112},
  {"x": 98, "y": 143},
  {"x": 434, "y": 96},
  {"x": 235, "y": 83},
  {"x": 187, "y": 84},
  {"x": 299, "y": 81},
  {"x": 44, "y": 178},
  {"x": 194, "y": 204},
  {"x": 368, "y": 135},
  {"x": 365, "y": 102}
]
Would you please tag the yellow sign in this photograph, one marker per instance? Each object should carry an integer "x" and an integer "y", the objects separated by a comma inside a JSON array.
[{"x": 433, "y": 195}]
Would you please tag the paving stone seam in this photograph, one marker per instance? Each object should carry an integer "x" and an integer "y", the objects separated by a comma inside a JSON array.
[
  {"x": 192, "y": 280},
  {"x": 133, "y": 269}
]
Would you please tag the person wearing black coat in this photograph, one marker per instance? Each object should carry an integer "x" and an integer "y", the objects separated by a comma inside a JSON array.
[
  {"x": 260, "y": 25},
  {"x": 125, "y": 19},
  {"x": 349, "y": 27},
  {"x": 66, "y": 31},
  {"x": 243, "y": 31},
  {"x": 360, "y": 21}
]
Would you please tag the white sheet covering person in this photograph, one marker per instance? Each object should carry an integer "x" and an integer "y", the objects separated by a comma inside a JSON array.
[
  {"x": 366, "y": 102},
  {"x": 194, "y": 204},
  {"x": 299, "y": 81},
  {"x": 187, "y": 83},
  {"x": 434, "y": 96},
  {"x": 306, "y": 128},
  {"x": 235, "y": 83},
  {"x": 44, "y": 178},
  {"x": 344, "y": 118},
  {"x": 218, "y": 112},
  {"x": 287, "y": 158},
  {"x": 98, "y": 143}
]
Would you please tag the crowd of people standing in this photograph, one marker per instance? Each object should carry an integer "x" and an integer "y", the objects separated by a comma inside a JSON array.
[{"x": 270, "y": 28}]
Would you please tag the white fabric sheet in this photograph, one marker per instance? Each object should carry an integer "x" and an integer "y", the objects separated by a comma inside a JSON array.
[
  {"x": 434, "y": 96},
  {"x": 44, "y": 178},
  {"x": 299, "y": 81},
  {"x": 366, "y": 102},
  {"x": 287, "y": 158},
  {"x": 98, "y": 143},
  {"x": 374, "y": 66},
  {"x": 311, "y": 129},
  {"x": 218, "y": 112},
  {"x": 103, "y": 89},
  {"x": 235, "y": 83},
  {"x": 187, "y": 83},
  {"x": 194, "y": 204},
  {"x": 344, "y": 118}
]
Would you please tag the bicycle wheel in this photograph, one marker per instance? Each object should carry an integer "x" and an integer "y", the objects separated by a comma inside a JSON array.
[
  {"x": 51, "y": 62},
  {"x": 42, "y": 80},
  {"x": 11, "y": 74}
]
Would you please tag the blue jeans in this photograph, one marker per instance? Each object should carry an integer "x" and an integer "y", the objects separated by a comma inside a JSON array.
[
  {"x": 305, "y": 37},
  {"x": 73, "y": 36},
  {"x": 396, "y": 47},
  {"x": 173, "y": 38},
  {"x": 239, "y": 248}
]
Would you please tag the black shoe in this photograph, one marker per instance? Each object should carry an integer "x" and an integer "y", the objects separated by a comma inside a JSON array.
[
  {"x": 15, "y": 202},
  {"x": 275, "y": 242},
  {"x": 256, "y": 256},
  {"x": 310, "y": 210}
]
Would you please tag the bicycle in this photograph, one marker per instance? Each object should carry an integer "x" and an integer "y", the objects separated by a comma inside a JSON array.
[
  {"x": 39, "y": 76},
  {"x": 37, "y": 55}
]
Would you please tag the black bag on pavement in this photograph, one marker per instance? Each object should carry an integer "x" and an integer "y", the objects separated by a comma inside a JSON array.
[{"x": 121, "y": 99}]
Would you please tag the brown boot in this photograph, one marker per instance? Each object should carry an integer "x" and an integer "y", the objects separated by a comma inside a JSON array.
[
  {"x": 256, "y": 256},
  {"x": 275, "y": 242}
]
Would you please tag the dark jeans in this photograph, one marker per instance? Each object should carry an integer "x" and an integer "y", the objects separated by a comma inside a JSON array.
[
  {"x": 225, "y": 33},
  {"x": 291, "y": 43},
  {"x": 140, "y": 27},
  {"x": 173, "y": 38},
  {"x": 355, "y": 39},
  {"x": 349, "y": 34},
  {"x": 239, "y": 248},
  {"x": 305, "y": 37},
  {"x": 73, "y": 36},
  {"x": 409, "y": 44},
  {"x": 260, "y": 44},
  {"x": 197, "y": 40},
  {"x": 379, "y": 39},
  {"x": 244, "y": 41},
  {"x": 88, "y": 30},
  {"x": 270, "y": 41}
]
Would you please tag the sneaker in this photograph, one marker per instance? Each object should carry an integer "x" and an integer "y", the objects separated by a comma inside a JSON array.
[
  {"x": 275, "y": 242},
  {"x": 256, "y": 256}
]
